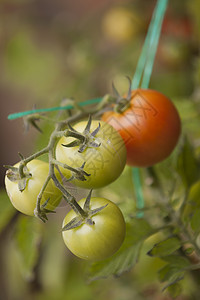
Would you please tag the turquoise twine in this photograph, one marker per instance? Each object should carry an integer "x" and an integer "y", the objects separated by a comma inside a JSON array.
[
  {"x": 146, "y": 60},
  {"x": 30, "y": 112},
  {"x": 155, "y": 34},
  {"x": 142, "y": 75}
]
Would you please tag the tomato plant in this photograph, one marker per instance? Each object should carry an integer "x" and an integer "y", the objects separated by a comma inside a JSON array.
[
  {"x": 99, "y": 238},
  {"x": 161, "y": 209},
  {"x": 25, "y": 201},
  {"x": 150, "y": 127},
  {"x": 104, "y": 157}
]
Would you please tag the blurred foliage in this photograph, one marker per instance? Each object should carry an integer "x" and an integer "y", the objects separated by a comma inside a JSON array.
[
  {"x": 26, "y": 63},
  {"x": 7, "y": 210},
  {"x": 51, "y": 50}
]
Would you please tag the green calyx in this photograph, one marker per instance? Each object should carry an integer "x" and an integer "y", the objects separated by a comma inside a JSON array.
[
  {"x": 43, "y": 211},
  {"x": 77, "y": 173},
  {"x": 13, "y": 174},
  {"x": 32, "y": 120},
  {"x": 85, "y": 217},
  {"x": 122, "y": 103},
  {"x": 85, "y": 139}
]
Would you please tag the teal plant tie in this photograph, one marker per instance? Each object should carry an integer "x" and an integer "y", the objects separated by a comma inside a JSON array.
[
  {"x": 142, "y": 78},
  {"x": 144, "y": 53},
  {"x": 146, "y": 59},
  {"x": 42, "y": 110},
  {"x": 153, "y": 42},
  {"x": 138, "y": 192}
]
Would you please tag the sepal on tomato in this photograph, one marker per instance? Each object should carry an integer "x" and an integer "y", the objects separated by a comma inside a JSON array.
[
  {"x": 77, "y": 173},
  {"x": 75, "y": 222},
  {"x": 43, "y": 211},
  {"x": 13, "y": 175},
  {"x": 84, "y": 218},
  {"x": 84, "y": 139},
  {"x": 80, "y": 174},
  {"x": 22, "y": 184},
  {"x": 86, "y": 206},
  {"x": 42, "y": 214},
  {"x": 122, "y": 103},
  {"x": 31, "y": 120}
]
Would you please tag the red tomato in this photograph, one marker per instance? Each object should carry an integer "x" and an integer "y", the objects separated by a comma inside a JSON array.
[
  {"x": 179, "y": 27},
  {"x": 150, "y": 127}
]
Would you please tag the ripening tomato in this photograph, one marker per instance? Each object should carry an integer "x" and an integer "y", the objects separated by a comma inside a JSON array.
[
  {"x": 178, "y": 27},
  {"x": 26, "y": 200},
  {"x": 150, "y": 127},
  {"x": 104, "y": 163},
  {"x": 121, "y": 25},
  {"x": 100, "y": 239}
]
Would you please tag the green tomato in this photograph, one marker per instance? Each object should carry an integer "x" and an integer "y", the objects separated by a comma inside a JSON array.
[
  {"x": 26, "y": 200},
  {"x": 101, "y": 239},
  {"x": 104, "y": 163}
]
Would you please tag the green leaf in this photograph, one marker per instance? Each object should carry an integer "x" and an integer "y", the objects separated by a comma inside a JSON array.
[
  {"x": 26, "y": 62},
  {"x": 173, "y": 271},
  {"x": 170, "y": 273},
  {"x": 187, "y": 165},
  {"x": 195, "y": 220},
  {"x": 28, "y": 240},
  {"x": 7, "y": 211},
  {"x": 174, "y": 289},
  {"x": 177, "y": 260},
  {"x": 192, "y": 203},
  {"x": 165, "y": 247},
  {"x": 127, "y": 256}
]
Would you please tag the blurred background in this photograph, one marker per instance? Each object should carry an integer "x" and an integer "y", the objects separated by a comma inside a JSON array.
[{"x": 52, "y": 50}]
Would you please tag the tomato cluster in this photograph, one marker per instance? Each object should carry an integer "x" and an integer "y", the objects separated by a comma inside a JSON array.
[
  {"x": 91, "y": 155},
  {"x": 94, "y": 161}
]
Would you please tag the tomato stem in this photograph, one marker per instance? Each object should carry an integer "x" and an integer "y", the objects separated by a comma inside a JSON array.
[
  {"x": 38, "y": 211},
  {"x": 79, "y": 173},
  {"x": 67, "y": 196},
  {"x": 25, "y": 161}
]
